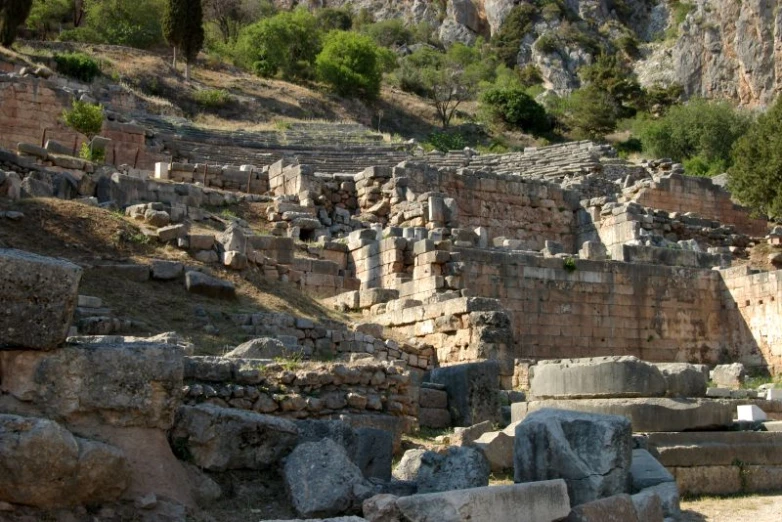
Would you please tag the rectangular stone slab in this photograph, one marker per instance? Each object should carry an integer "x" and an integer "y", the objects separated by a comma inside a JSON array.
[
  {"x": 38, "y": 296},
  {"x": 717, "y": 448},
  {"x": 539, "y": 501},
  {"x": 652, "y": 414}
]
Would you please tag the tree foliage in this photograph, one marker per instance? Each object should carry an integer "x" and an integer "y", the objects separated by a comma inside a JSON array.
[
  {"x": 703, "y": 129},
  {"x": 615, "y": 78},
  {"x": 513, "y": 106},
  {"x": 47, "y": 16},
  {"x": 229, "y": 16},
  {"x": 518, "y": 23},
  {"x": 351, "y": 64},
  {"x": 285, "y": 44},
  {"x": 13, "y": 13},
  {"x": 755, "y": 178},
  {"x": 334, "y": 19},
  {"x": 183, "y": 27},
  {"x": 119, "y": 22},
  {"x": 589, "y": 113},
  {"x": 84, "y": 117}
]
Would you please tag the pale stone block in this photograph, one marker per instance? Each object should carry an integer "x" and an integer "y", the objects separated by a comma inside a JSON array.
[{"x": 750, "y": 412}]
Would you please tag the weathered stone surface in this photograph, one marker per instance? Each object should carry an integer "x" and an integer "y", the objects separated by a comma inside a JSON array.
[
  {"x": 590, "y": 452},
  {"x": 646, "y": 471},
  {"x": 135, "y": 384},
  {"x": 199, "y": 283},
  {"x": 708, "y": 480},
  {"x": 684, "y": 380},
  {"x": 652, "y": 414},
  {"x": 497, "y": 446},
  {"x": 375, "y": 453},
  {"x": 166, "y": 270},
  {"x": 648, "y": 507},
  {"x": 473, "y": 391},
  {"x": 322, "y": 481},
  {"x": 595, "y": 378},
  {"x": 434, "y": 418},
  {"x": 668, "y": 493},
  {"x": 38, "y": 296},
  {"x": 42, "y": 464},
  {"x": 715, "y": 448},
  {"x": 729, "y": 375},
  {"x": 431, "y": 398},
  {"x": 617, "y": 508},
  {"x": 262, "y": 348},
  {"x": 219, "y": 439},
  {"x": 538, "y": 501},
  {"x": 457, "y": 468},
  {"x": 466, "y": 435}
]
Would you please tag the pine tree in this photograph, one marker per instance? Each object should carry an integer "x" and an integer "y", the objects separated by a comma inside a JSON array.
[
  {"x": 183, "y": 27},
  {"x": 13, "y": 13}
]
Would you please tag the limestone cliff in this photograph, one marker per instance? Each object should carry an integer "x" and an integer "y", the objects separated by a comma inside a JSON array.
[{"x": 714, "y": 48}]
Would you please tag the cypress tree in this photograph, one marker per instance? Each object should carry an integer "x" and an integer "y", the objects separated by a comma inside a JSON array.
[
  {"x": 183, "y": 27},
  {"x": 13, "y": 13}
]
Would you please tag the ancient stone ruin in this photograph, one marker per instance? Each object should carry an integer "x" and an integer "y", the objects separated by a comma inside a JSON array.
[{"x": 582, "y": 323}]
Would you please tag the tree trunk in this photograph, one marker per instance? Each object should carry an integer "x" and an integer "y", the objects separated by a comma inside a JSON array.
[
  {"x": 187, "y": 70},
  {"x": 174, "y": 63}
]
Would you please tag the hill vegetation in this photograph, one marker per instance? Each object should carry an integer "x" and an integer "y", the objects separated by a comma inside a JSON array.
[{"x": 479, "y": 95}]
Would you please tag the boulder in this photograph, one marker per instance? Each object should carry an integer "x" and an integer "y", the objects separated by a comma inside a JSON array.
[
  {"x": 43, "y": 465},
  {"x": 617, "y": 508},
  {"x": 262, "y": 348},
  {"x": 134, "y": 384},
  {"x": 596, "y": 377},
  {"x": 322, "y": 481},
  {"x": 200, "y": 283},
  {"x": 652, "y": 414},
  {"x": 729, "y": 375},
  {"x": 166, "y": 270},
  {"x": 232, "y": 239},
  {"x": 220, "y": 439},
  {"x": 375, "y": 453},
  {"x": 646, "y": 471},
  {"x": 543, "y": 501},
  {"x": 592, "y": 453},
  {"x": 38, "y": 296},
  {"x": 457, "y": 468},
  {"x": 466, "y": 436},
  {"x": 683, "y": 379},
  {"x": 668, "y": 493},
  {"x": 473, "y": 391},
  {"x": 648, "y": 507},
  {"x": 497, "y": 447}
]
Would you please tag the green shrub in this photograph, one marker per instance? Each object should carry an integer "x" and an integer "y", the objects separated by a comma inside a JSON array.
[
  {"x": 548, "y": 43},
  {"x": 389, "y": 33},
  {"x": 445, "y": 141},
  {"x": 86, "y": 118},
  {"x": 700, "y": 166},
  {"x": 119, "y": 22},
  {"x": 94, "y": 155},
  {"x": 77, "y": 65},
  {"x": 515, "y": 107},
  {"x": 590, "y": 113},
  {"x": 212, "y": 98},
  {"x": 628, "y": 43},
  {"x": 334, "y": 19},
  {"x": 285, "y": 44},
  {"x": 350, "y": 64},
  {"x": 517, "y": 24}
]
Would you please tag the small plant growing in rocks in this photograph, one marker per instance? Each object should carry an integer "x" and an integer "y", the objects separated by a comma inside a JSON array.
[
  {"x": 84, "y": 117},
  {"x": 569, "y": 264}
]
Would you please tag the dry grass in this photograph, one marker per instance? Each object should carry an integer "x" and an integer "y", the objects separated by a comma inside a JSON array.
[{"x": 758, "y": 508}]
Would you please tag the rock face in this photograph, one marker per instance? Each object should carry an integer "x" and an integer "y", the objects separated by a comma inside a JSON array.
[
  {"x": 39, "y": 297},
  {"x": 595, "y": 378},
  {"x": 42, "y": 464},
  {"x": 458, "y": 468},
  {"x": 592, "y": 453},
  {"x": 322, "y": 481},
  {"x": 220, "y": 439}
]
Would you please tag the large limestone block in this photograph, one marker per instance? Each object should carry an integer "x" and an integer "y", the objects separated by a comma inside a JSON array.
[
  {"x": 473, "y": 391},
  {"x": 199, "y": 283},
  {"x": 716, "y": 448},
  {"x": 729, "y": 375},
  {"x": 617, "y": 508},
  {"x": 542, "y": 501},
  {"x": 497, "y": 446},
  {"x": 646, "y": 471},
  {"x": 458, "y": 468},
  {"x": 132, "y": 384},
  {"x": 220, "y": 439},
  {"x": 683, "y": 379},
  {"x": 667, "y": 492},
  {"x": 322, "y": 481},
  {"x": 42, "y": 464},
  {"x": 595, "y": 378},
  {"x": 592, "y": 453},
  {"x": 652, "y": 414},
  {"x": 38, "y": 296}
]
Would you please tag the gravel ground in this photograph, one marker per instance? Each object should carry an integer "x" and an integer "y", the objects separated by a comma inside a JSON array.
[{"x": 755, "y": 508}]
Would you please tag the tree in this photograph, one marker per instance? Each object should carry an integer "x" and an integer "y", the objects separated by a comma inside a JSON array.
[
  {"x": 229, "y": 16},
  {"x": 47, "y": 15},
  {"x": 512, "y": 105},
  {"x": 285, "y": 44},
  {"x": 615, "y": 79},
  {"x": 591, "y": 113},
  {"x": 703, "y": 129},
  {"x": 183, "y": 27},
  {"x": 755, "y": 178},
  {"x": 335, "y": 19},
  {"x": 117, "y": 22},
  {"x": 350, "y": 63},
  {"x": 13, "y": 13}
]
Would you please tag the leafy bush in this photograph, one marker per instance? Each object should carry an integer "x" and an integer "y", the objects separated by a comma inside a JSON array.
[
  {"x": 212, "y": 98},
  {"x": 548, "y": 43},
  {"x": 517, "y": 24},
  {"x": 86, "y": 118},
  {"x": 590, "y": 113},
  {"x": 389, "y": 33},
  {"x": 335, "y": 19},
  {"x": 616, "y": 79},
  {"x": 706, "y": 129},
  {"x": 445, "y": 141},
  {"x": 756, "y": 175},
  {"x": 285, "y": 44},
  {"x": 515, "y": 107},
  {"x": 94, "y": 155},
  {"x": 77, "y": 65},
  {"x": 350, "y": 64},
  {"x": 119, "y": 22}
]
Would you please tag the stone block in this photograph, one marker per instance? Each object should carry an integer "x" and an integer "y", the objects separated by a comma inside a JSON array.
[
  {"x": 431, "y": 398},
  {"x": 199, "y": 283},
  {"x": 683, "y": 379},
  {"x": 716, "y": 448},
  {"x": 456, "y": 468},
  {"x": 497, "y": 447},
  {"x": 617, "y": 508},
  {"x": 751, "y": 413},
  {"x": 38, "y": 295},
  {"x": 653, "y": 414},
  {"x": 544, "y": 501},
  {"x": 166, "y": 270},
  {"x": 473, "y": 391},
  {"x": 592, "y": 453},
  {"x": 646, "y": 471},
  {"x": 596, "y": 378},
  {"x": 729, "y": 375},
  {"x": 437, "y": 418}
]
